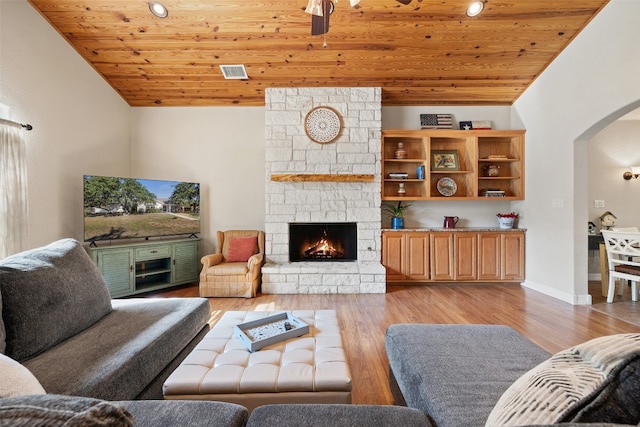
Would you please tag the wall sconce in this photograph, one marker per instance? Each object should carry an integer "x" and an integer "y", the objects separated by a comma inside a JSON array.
[
  {"x": 635, "y": 172},
  {"x": 475, "y": 8}
]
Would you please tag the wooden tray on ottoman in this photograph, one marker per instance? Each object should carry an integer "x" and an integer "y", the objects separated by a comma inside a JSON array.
[{"x": 270, "y": 330}]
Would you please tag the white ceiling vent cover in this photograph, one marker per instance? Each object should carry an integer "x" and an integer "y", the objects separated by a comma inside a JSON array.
[{"x": 234, "y": 71}]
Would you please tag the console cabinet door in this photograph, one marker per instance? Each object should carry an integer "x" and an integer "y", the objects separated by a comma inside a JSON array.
[
  {"x": 512, "y": 255},
  {"x": 186, "y": 262},
  {"x": 417, "y": 265},
  {"x": 489, "y": 256},
  {"x": 442, "y": 256},
  {"x": 116, "y": 266},
  {"x": 465, "y": 256},
  {"x": 393, "y": 254}
]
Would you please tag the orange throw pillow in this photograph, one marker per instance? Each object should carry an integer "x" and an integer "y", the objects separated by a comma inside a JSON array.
[{"x": 241, "y": 248}]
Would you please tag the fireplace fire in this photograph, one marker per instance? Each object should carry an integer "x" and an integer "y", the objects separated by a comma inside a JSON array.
[{"x": 323, "y": 242}]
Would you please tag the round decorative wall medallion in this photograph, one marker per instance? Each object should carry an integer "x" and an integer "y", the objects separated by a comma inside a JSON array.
[{"x": 323, "y": 125}]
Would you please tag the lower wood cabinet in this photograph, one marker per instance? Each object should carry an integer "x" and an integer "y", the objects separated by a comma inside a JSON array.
[
  {"x": 453, "y": 256},
  {"x": 442, "y": 260}
]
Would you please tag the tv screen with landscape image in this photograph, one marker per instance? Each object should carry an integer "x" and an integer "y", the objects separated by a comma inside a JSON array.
[{"x": 128, "y": 208}]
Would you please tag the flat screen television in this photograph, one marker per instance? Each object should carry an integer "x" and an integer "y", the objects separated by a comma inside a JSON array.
[{"x": 128, "y": 208}]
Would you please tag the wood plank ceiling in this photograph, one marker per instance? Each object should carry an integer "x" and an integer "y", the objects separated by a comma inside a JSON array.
[{"x": 425, "y": 53}]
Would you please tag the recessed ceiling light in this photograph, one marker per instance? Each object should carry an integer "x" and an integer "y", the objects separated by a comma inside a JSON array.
[
  {"x": 475, "y": 8},
  {"x": 158, "y": 9}
]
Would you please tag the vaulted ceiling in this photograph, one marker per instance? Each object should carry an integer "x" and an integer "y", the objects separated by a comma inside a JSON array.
[{"x": 425, "y": 53}]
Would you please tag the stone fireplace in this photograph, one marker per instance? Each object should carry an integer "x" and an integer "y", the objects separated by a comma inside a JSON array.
[{"x": 317, "y": 184}]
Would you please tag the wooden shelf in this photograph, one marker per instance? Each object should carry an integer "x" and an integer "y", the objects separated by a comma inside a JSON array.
[{"x": 472, "y": 149}]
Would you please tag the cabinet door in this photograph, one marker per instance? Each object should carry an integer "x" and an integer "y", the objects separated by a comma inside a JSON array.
[
  {"x": 393, "y": 254},
  {"x": 512, "y": 255},
  {"x": 489, "y": 265},
  {"x": 116, "y": 266},
  {"x": 186, "y": 262},
  {"x": 417, "y": 247},
  {"x": 466, "y": 258},
  {"x": 441, "y": 256}
]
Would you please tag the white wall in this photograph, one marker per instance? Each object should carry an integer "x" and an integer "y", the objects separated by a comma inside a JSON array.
[
  {"x": 594, "y": 81},
  {"x": 81, "y": 125},
  {"x": 222, "y": 148}
]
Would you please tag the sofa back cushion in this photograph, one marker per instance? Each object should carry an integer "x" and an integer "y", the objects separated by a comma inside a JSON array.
[{"x": 48, "y": 295}]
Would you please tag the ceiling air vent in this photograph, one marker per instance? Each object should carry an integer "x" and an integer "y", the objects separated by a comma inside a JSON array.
[{"x": 234, "y": 71}]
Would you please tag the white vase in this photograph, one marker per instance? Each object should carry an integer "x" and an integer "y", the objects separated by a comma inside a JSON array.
[{"x": 506, "y": 222}]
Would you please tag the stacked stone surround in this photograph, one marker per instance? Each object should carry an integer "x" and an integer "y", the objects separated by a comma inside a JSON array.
[{"x": 357, "y": 151}]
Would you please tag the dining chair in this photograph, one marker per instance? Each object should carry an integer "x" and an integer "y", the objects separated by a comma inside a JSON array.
[{"x": 621, "y": 248}]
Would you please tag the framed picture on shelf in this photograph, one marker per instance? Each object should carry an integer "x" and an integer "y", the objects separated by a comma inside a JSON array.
[{"x": 444, "y": 160}]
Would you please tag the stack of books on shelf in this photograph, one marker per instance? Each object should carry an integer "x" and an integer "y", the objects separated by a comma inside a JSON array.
[
  {"x": 496, "y": 157},
  {"x": 492, "y": 192},
  {"x": 398, "y": 175},
  {"x": 436, "y": 121}
]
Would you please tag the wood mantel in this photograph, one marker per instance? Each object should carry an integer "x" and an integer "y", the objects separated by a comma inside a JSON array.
[{"x": 288, "y": 177}]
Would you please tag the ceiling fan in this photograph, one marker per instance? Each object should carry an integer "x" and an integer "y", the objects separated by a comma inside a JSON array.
[{"x": 321, "y": 10}]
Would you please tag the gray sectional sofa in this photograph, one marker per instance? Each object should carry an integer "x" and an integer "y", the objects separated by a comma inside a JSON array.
[
  {"x": 477, "y": 375},
  {"x": 59, "y": 321},
  {"x": 69, "y": 355}
]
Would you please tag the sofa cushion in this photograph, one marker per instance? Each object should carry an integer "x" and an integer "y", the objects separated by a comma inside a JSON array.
[
  {"x": 3, "y": 335},
  {"x": 191, "y": 413},
  {"x": 118, "y": 356},
  {"x": 68, "y": 411},
  {"x": 597, "y": 381},
  {"x": 456, "y": 373},
  {"x": 241, "y": 248},
  {"x": 48, "y": 295},
  {"x": 336, "y": 415},
  {"x": 16, "y": 380}
]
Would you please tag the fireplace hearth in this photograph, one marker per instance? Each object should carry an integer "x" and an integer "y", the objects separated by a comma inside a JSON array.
[{"x": 323, "y": 241}]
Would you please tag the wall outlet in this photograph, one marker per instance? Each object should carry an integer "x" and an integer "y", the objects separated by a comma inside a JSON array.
[
  {"x": 557, "y": 203},
  {"x": 598, "y": 203}
]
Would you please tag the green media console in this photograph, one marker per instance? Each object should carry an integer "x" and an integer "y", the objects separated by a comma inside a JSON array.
[{"x": 134, "y": 268}]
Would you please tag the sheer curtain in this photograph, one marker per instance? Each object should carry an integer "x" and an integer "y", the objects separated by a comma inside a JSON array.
[{"x": 13, "y": 190}]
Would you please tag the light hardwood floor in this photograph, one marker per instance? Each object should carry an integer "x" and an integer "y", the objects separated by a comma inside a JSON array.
[{"x": 552, "y": 324}]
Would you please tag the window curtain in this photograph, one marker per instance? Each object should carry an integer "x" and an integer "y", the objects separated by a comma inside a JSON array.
[{"x": 13, "y": 191}]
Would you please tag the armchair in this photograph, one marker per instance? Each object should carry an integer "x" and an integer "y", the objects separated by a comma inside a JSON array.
[{"x": 235, "y": 269}]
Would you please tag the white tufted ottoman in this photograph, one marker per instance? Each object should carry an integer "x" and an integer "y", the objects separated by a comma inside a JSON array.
[{"x": 308, "y": 369}]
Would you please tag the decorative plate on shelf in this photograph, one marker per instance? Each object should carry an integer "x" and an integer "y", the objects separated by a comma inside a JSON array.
[
  {"x": 446, "y": 186},
  {"x": 323, "y": 125}
]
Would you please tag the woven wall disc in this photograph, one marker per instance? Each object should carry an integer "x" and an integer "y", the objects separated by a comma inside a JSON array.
[{"x": 323, "y": 125}]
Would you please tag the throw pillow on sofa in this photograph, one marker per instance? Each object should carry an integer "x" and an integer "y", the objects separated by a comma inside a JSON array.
[
  {"x": 17, "y": 380},
  {"x": 56, "y": 410},
  {"x": 597, "y": 381},
  {"x": 48, "y": 295}
]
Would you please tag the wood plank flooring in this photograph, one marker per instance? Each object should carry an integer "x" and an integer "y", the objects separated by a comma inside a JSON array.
[{"x": 552, "y": 324}]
